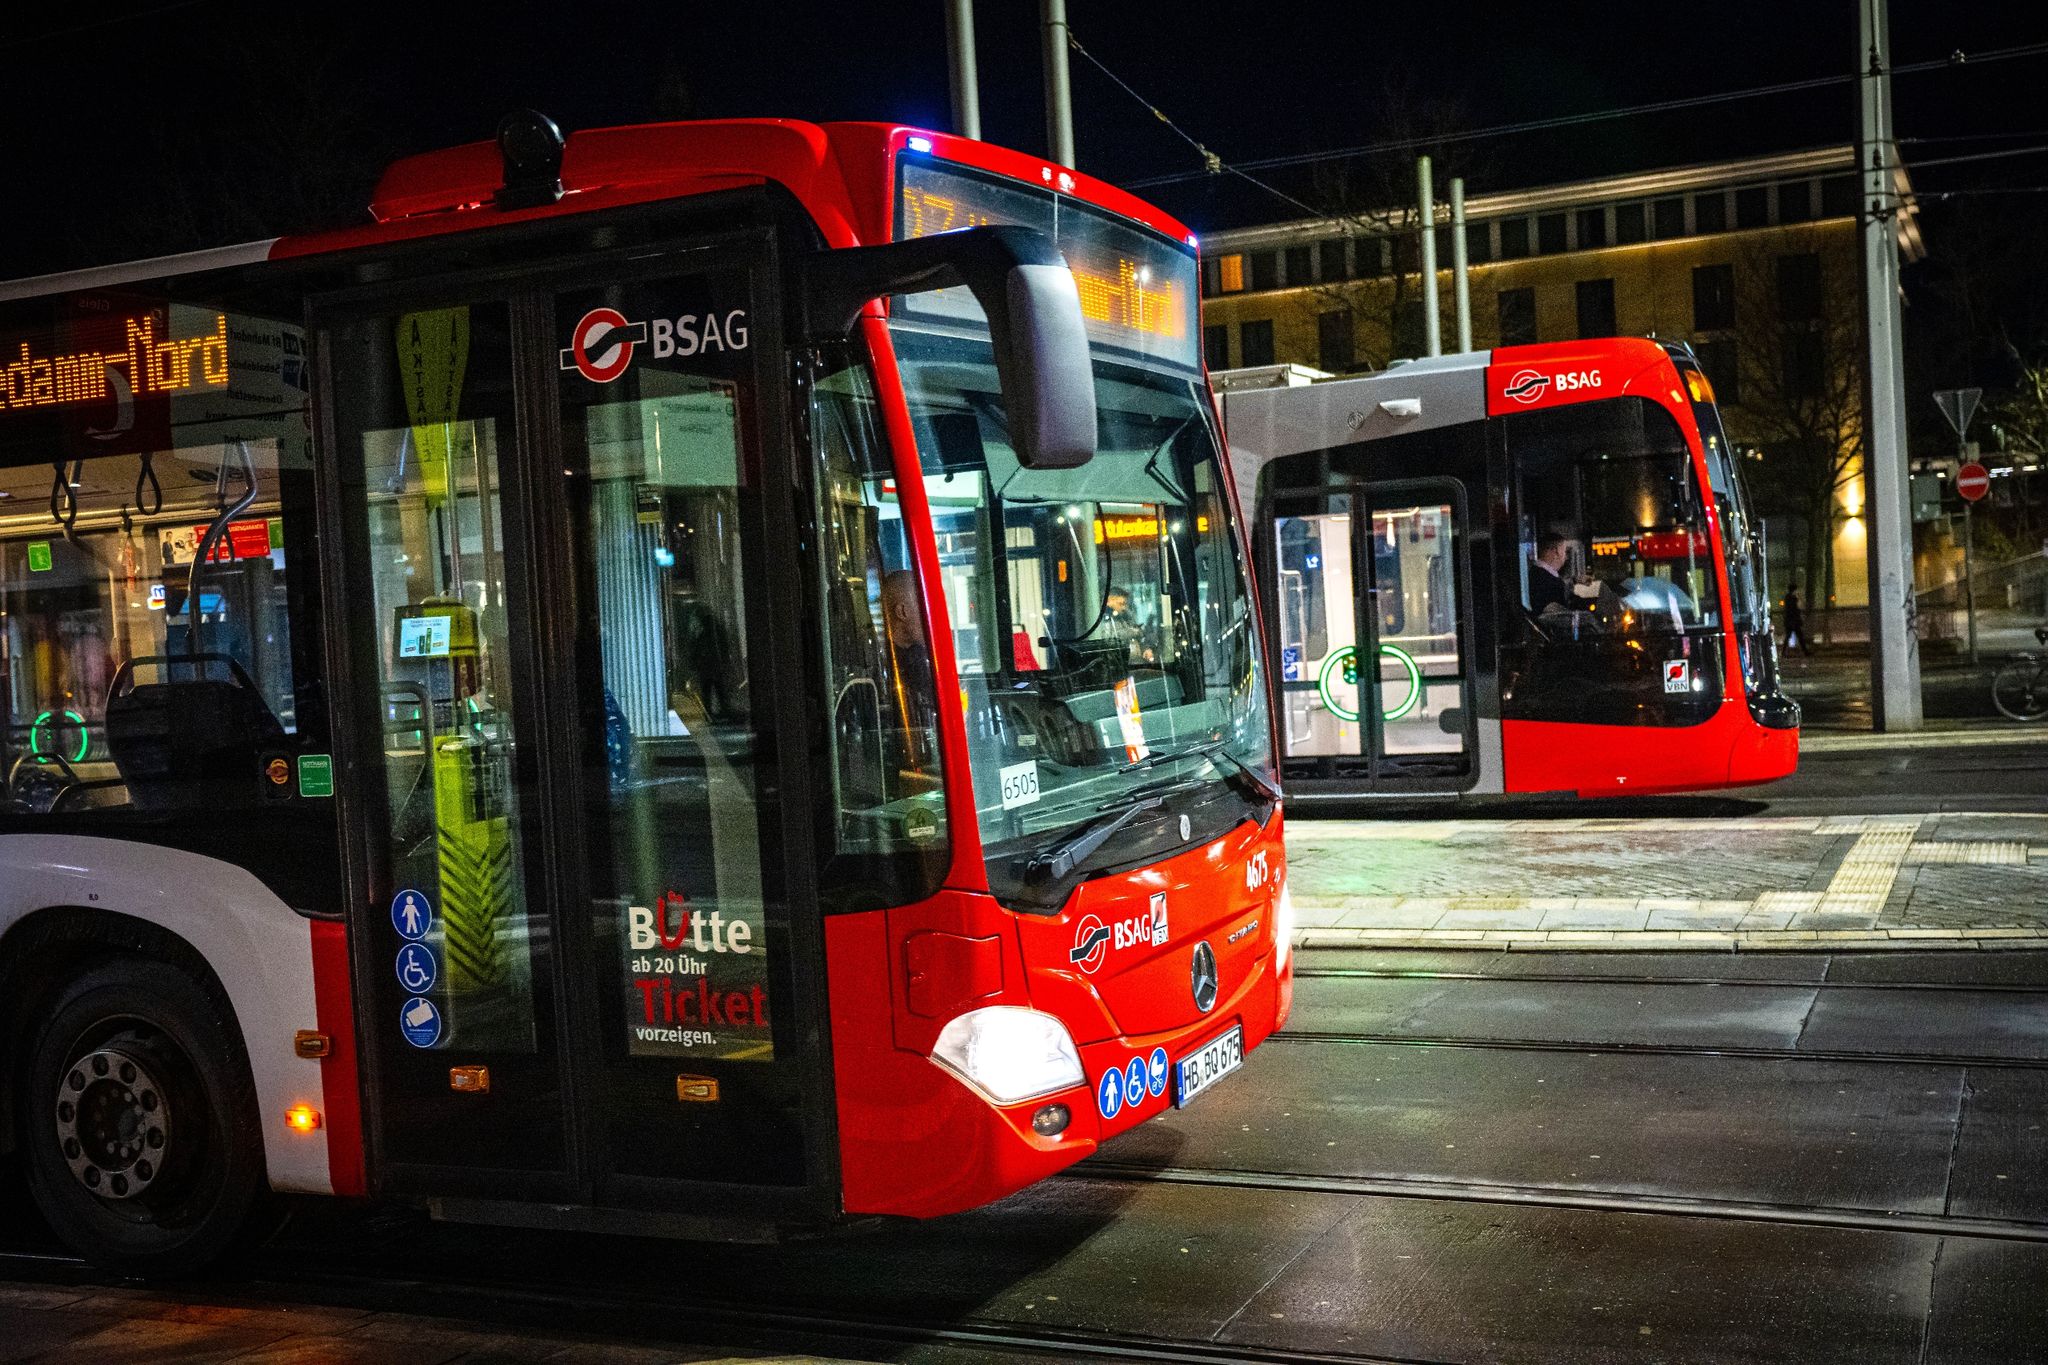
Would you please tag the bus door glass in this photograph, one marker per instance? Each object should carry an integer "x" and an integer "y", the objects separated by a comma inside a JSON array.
[
  {"x": 682, "y": 676},
  {"x": 458, "y": 1023},
  {"x": 1370, "y": 572},
  {"x": 572, "y": 666}
]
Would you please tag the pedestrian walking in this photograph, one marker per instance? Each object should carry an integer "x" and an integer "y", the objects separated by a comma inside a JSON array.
[{"x": 1795, "y": 623}]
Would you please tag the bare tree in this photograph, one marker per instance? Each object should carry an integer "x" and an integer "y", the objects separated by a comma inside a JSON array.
[
  {"x": 2022, "y": 412},
  {"x": 1798, "y": 340},
  {"x": 1371, "y": 199},
  {"x": 2020, "y": 416},
  {"x": 304, "y": 156}
]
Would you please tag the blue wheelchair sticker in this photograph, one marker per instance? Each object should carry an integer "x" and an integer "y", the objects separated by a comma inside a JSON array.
[
  {"x": 417, "y": 968},
  {"x": 1134, "y": 1082}
]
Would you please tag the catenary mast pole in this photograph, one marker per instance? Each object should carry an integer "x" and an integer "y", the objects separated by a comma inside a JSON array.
[
  {"x": 960, "y": 67},
  {"x": 1461, "y": 277},
  {"x": 1894, "y": 646},
  {"x": 1059, "y": 97},
  {"x": 1432, "y": 306}
]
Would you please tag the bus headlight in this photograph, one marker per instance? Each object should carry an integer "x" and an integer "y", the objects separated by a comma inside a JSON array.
[
  {"x": 1009, "y": 1053},
  {"x": 1283, "y": 927}
]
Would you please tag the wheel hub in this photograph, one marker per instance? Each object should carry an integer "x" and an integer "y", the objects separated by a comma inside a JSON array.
[{"x": 113, "y": 1123}]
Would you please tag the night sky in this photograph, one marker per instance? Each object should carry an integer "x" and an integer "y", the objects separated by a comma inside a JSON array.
[{"x": 154, "y": 127}]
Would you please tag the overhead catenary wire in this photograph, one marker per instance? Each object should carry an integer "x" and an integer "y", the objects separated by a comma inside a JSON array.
[
  {"x": 1924, "y": 162},
  {"x": 110, "y": 21},
  {"x": 1974, "y": 137},
  {"x": 1212, "y": 163},
  {"x": 1585, "y": 117}
]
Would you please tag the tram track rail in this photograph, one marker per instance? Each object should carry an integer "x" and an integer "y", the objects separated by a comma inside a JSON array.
[
  {"x": 1548, "y": 1196},
  {"x": 1649, "y": 981},
  {"x": 486, "y": 1301},
  {"x": 1616, "y": 1049}
]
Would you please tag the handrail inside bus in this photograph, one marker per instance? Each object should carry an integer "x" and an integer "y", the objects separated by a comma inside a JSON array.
[{"x": 195, "y": 605}]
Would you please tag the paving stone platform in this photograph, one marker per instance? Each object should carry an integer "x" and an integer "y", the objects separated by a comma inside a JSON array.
[{"x": 1854, "y": 881}]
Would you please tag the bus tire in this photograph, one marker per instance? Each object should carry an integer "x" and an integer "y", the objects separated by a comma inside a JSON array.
[{"x": 138, "y": 1122}]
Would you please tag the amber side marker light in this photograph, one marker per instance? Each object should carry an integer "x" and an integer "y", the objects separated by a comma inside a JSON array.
[
  {"x": 302, "y": 1118},
  {"x": 311, "y": 1045},
  {"x": 1699, "y": 386},
  {"x": 697, "y": 1089},
  {"x": 469, "y": 1080}
]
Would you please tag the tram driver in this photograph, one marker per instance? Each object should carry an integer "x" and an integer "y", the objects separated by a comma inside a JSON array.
[{"x": 1550, "y": 589}]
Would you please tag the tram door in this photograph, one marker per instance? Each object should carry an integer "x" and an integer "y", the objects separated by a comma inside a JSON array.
[
  {"x": 1369, "y": 618},
  {"x": 579, "y": 979}
]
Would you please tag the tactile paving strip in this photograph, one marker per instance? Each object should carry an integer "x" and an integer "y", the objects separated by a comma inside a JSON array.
[{"x": 2004, "y": 852}]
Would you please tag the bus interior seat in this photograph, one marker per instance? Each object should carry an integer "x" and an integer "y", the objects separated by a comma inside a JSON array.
[{"x": 188, "y": 740}]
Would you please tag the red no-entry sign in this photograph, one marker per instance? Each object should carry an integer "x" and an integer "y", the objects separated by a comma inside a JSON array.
[{"x": 1973, "y": 481}]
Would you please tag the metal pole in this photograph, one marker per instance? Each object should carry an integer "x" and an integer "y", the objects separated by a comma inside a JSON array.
[
  {"x": 1894, "y": 646},
  {"x": 1059, "y": 95},
  {"x": 1461, "y": 283},
  {"x": 960, "y": 67},
  {"x": 1432, "y": 306},
  {"x": 1970, "y": 574}
]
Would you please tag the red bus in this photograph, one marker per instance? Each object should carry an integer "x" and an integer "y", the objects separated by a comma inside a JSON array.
[
  {"x": 694, "y": 681},
  {"x": 1548, "y": 552}
]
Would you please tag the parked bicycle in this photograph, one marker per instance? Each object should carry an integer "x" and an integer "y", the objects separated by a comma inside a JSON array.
[{"x": 2020, "y": 688}]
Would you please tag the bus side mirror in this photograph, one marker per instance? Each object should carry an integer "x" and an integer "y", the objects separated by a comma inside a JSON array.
[{"x": 1022, "y": 283}]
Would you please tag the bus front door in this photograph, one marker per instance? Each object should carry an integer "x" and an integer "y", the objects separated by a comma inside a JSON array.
[
  {"x": 580, "y": 981},
  {"x": 1370, "y": 626}
]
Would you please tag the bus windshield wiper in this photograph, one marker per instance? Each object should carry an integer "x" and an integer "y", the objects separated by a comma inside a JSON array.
[
  {"x": 1054, "y": 863},
  {"x": 1217, "y": 751}
]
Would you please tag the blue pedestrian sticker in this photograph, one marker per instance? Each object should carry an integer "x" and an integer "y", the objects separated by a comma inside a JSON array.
[
  {"x": 412, "y": 914},
  {"x": 1157, "y": 1078},
  {"x": 1134, "y": 1082},
  {"x": 1109, "y": 1094},
  {"x": 420, "y": 1022},
  {"x": 417, "y": 969}
]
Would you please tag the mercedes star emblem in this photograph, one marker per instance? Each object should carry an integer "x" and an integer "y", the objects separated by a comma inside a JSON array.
[{"x": 1203, "y": 977}]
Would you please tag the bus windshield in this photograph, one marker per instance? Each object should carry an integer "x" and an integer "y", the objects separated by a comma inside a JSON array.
[{"x": 1101, "y": 616}]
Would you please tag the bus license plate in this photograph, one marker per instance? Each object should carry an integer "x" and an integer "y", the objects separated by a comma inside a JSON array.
[{"x": 1202, "y": 1069}]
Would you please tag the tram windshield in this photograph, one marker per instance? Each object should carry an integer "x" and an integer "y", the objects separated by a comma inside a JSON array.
[
  {"x": 1620, "y": 598},
  {"x": 1741, "y": 534}
]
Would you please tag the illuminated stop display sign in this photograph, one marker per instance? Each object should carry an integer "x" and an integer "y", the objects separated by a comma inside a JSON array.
[{"x": 1973, "y": 481}]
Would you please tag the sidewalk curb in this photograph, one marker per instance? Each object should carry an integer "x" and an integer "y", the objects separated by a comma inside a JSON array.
[{"x": 1855, "y": 741}]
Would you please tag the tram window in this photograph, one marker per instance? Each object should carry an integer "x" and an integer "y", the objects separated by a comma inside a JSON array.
[
  {"x": 1616, "y": 586},
  {"x": 888, "y": 795},
  {"x": 131, "y": 680}
]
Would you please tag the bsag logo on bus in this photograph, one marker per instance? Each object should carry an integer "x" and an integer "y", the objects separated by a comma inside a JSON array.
[
  {"x": 602, "y": 342},
  {"x": 1093, "y": 939}
]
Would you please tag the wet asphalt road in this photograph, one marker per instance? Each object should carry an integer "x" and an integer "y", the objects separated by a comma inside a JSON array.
[
  {"x": 1922, "y": 774},
  {"x": 1450, "y": 1157}
]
